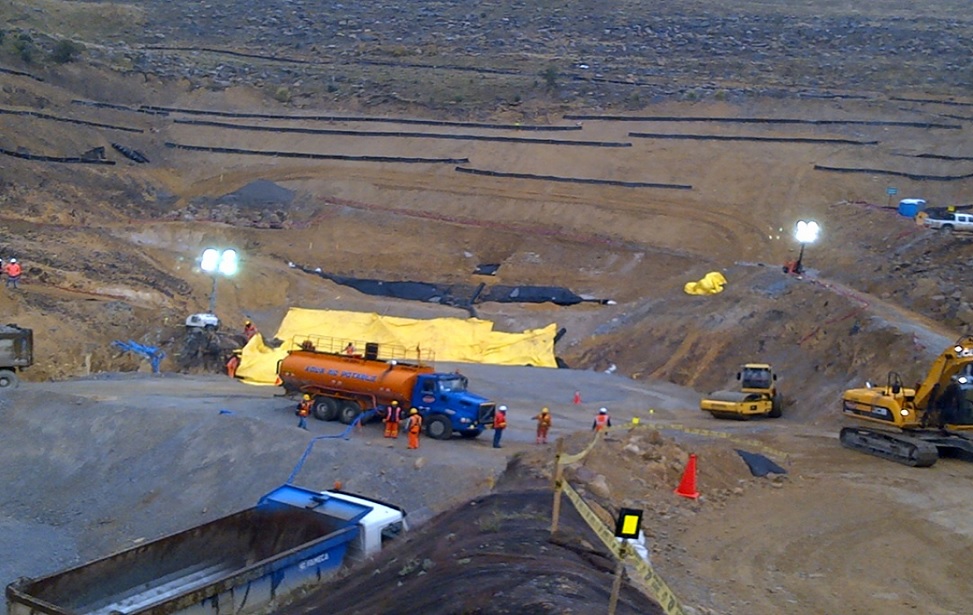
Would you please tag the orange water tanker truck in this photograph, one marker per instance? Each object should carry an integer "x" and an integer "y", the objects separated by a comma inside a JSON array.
[{"x": 344, "y": 385}]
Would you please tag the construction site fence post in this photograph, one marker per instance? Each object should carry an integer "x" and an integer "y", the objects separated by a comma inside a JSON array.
[
  {"x": 646, "y": 576},
  {"x": 617, "y": 583},
  {"x": 558, "y": 477}
]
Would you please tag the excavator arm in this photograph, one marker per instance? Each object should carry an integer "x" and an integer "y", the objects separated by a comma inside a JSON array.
[
  {"x": 917, "y": 425},
  {"x": 948, "y": 364}
]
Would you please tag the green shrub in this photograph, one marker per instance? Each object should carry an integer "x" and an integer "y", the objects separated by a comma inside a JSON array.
[
  {"x": 25, "y": 48},
  {"x": 282, "y": 95},
  {"x": 550, "y": 77},
  {"x": 66, "y": 51}
]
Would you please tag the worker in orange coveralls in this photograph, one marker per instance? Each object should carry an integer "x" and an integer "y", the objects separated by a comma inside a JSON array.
[
  {"x": 543, "y": 425},
  {"x": 393, "y": 416},
  {"x": 303, "y": 410},
  {"x": 414, "y": 426},
  {"x": 499, "y": 424},
  {"x": 232, "y": 364},
  {"x": 249, "y": 330}
]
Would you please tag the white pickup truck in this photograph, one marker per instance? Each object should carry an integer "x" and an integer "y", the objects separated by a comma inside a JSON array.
[{"x": 949, "y": 221}]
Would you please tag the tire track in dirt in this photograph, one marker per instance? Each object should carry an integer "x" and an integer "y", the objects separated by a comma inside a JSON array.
[
  {"x": 895, "y": 545},
  {"x": 734, "y": 231},
  {"x": 927, "y": 333},
  {"x": 730, "y": 231},
  {"x": 688, "y": 344}
]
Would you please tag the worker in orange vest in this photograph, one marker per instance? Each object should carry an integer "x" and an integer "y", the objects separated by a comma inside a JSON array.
[
  {"x": 543, "y": 424},
  {"x": 233, "y": 364},
  {"x": 499, "y": 424},
  {"x": 393, "y": 416},
  {"x": 602, "y": 420},
  {"x": 13, "y": 271},
  {"x": 303, "y": 410},
  {"x": 249, "y": 329},
  {"x": 414, "y": 426}
]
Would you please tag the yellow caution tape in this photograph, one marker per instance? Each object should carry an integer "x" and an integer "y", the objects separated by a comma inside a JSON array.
[
  {"x": 656, "y": 585},
  {"x": 716, "y": 434},
  {"x": 566, "y": 459},
  {"x": 651, "y": 579},
  {"x": 710, "y": 433}
]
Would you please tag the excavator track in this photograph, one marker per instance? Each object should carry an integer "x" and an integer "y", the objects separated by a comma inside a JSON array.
[{"x": 901, "y": 448}]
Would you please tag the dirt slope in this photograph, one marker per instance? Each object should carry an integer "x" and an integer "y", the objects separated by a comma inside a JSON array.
[{"x": 111, "y": 253}]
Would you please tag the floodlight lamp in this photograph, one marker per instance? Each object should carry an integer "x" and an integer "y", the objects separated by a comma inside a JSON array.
[
  {"x": 807, "y": 231},
  {"x": 229, "y": 262},
  {"x": 210, "y": 261}
]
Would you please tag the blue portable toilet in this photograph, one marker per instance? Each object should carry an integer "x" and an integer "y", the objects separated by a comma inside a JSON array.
[{"x": 911, "y": 207}]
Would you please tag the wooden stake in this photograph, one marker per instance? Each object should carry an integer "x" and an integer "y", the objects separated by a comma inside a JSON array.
[
  {"x": 558, "y": 478},
  {"x": 617, "y": 584}
]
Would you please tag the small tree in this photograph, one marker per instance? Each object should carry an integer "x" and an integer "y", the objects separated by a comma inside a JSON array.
[
  {"x": 550, "y": 77},
  {"x": 66, "y": 51},
  {"x": 24, "y": 46}
]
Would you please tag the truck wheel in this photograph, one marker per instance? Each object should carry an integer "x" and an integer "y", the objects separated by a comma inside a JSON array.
[
  {"x": 947, "y": 228},
  {"x": 439, "y": 427},
  {"x": 348, "y": 411},
  {"x": 776, "y": 407},
  {"x": 8, "y": 379},
  {"x": 325, "y": 409}
]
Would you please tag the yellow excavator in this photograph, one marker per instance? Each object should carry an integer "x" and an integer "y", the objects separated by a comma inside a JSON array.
[
  {"x": 915, "y": 426},
  {"x": 758, "y": 396}
]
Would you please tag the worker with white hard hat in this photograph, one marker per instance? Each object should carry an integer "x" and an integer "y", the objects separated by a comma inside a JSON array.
[
  {"x": 602, "y": 420},
  {"x": 13, "y": 271},
  {"x": 499, "y": 424}
]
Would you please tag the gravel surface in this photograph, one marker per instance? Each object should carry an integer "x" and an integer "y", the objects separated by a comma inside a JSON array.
[{"x": 93, "y": 465}]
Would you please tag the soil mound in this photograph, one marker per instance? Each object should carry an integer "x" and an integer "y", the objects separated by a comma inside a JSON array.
[{"x": 492, "y": 555}]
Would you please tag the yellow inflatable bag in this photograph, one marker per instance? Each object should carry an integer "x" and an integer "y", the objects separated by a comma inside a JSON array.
[{"x": 712, "y": 283}]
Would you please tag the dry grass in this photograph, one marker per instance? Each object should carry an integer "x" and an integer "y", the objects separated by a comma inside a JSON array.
[{"x": 88, "y": 22}]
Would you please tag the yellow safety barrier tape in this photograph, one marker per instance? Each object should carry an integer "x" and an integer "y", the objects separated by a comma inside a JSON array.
[
  {"x": 713, "y": 434},
  {"x": 566, "y": 459},
  {"x": 651, "y": 579}
]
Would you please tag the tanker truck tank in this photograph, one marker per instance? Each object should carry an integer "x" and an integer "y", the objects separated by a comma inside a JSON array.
[{"x": 345, "y": 385}]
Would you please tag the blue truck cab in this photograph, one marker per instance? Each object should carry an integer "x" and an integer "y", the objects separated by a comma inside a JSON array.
[{"x": 446, "y": 406}]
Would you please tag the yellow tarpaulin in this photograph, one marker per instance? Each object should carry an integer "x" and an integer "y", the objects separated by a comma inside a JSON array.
[
  {"x": 449, "y": 339},
  {"x": 712, "y": 283}
]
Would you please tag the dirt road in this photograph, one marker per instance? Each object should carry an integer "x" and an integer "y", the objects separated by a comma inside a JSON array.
[{"x": 93, "y": 465}]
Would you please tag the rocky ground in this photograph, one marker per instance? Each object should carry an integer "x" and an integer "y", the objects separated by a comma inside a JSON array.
[{"x": 111, "y": 251}]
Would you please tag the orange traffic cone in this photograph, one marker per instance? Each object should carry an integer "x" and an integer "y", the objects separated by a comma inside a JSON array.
[
  {"x": 577, "y": 397},
  {"x": 687, "y": 486}
]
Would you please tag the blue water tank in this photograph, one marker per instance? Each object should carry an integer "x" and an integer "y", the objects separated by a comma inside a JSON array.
[{"x": 911, "y": 207}]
